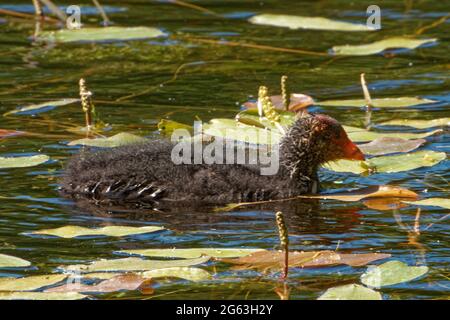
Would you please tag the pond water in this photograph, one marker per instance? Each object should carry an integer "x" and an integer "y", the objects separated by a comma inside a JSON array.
[{"x": 180, "y": 78}]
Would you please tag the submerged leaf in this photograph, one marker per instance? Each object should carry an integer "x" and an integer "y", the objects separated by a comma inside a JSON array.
[
  {"x": 30, "y": 283},
  {"x": 400, "y": 102},
  {"x": 379, "y": 46},
  {"x": 299, "y": 22},
  {"x": 112, "y": 231},
  {"x": 350, "y": 292},
  {"x": 419, "y": 124},
  {"x": 386, "y": 145},
  {"x": 389, "y": 164},
  {"x": 390, "y": 273},
  {"x": 41, "y": 296},
  {"x": 117, "y": 140},
  {"x": 274, "y": 260},
  {"x": 433, "y": 202},
  {"x": 132, "y": 264},
  {"x": 7, "y": 261},
  {"x": 37, "y": 108},
  {"x": 21, "y": 162},
  {"x": 193, "y": 252},
  {"x": 101, "y": 34}
]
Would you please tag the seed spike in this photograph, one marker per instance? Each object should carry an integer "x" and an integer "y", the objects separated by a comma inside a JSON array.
[
  {"x": 284, "y": 241},
  {"x": 86, "y": 103},
  {"x": 284, "y": 92}
]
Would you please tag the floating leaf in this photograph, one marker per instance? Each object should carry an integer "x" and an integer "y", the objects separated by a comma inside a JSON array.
[
  {"x": 187, "y": 273},
  {"x": 101, "y": 34},
  {"x": 21, "y": 162},
  {"x": 433, "y": 202},
  {"x": 389, "y": 164},
  {"x": 7, "y": 261},
  {"x": 112, "y": 231},
  {"x": 390, "y": 273},
  {"x": 132, "y": 264},
  {"x": 419, "y": 124},
  {"x": 250, "y": 117},
  {"x": 274, "y": 260},
  {"x": 400, "y": 102},
  {"x": 41, "y": 296},
  {"x": 362, "y": 135},
  {"x": 350, "y": 292},
  {"x": 382, "y": 204},
  {"x": 233, "y": 130},
  {"x": 298, "y": 22},
  {"x": 117, "y": 140},
  {"x": 41, "y": 107},
  {"x": 169, "y": 126},
  {"x": 386, "y": 145},
  {"x": 379, "y": 46},
  {"x": 30, "y": 283},
  {"x": 129, "y": 281},
  {"x": 297, "y": 102},
  {"x": 192, "y": 252}
]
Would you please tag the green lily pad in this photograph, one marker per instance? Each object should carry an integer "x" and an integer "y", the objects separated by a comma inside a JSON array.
[
  {"x": 101, "y": 34},
  {"x": 433, "y": 202},
  {"x": 299, "y": 22},
  {"x": 350, "y": 292},
  {"x": 250, "y": 117},
  {"x": 186, "y": 273},
  {"x": 400, "y": 102},
  {"x": 233, "y": 130},
  {"x": 362, "y": 135},
  {"x": 193, "y": 252},
  {"x": 117, "y": 140},
  {"x": 112, "y": 231},
  {"x": 419, "y": 124},
  {"x": 21, "y": 162},
  {"x": 169, "y": 126},
  {"x": 37, "y": 108},
  {"x": 41, "y": 296},
  {"x": 7, "y": 261},
  {"x": 390, "y": 273},
  {"x": 389, "y": 164},
  {"x": 30, "y": 283},
  {"x": 379, "y": 46},
  {"x": 386, "y": 145},
  {"x": 132, "y": 264}
]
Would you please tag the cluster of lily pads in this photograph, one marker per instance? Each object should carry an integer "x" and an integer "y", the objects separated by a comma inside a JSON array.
[{"x": 144, "y": 267}]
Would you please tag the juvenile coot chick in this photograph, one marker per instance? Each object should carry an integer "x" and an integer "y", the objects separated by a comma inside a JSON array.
[{"x": 144, "y": 174}]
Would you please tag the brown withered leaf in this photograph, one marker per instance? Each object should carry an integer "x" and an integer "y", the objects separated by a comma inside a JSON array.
[
  {"x": 384, "y": 203},
  {"x": 129, "y": 281},
  {"x": 297, "y": 102},
  {"x": 268, "y": 260},
  {"x": 387, "y": 145}
]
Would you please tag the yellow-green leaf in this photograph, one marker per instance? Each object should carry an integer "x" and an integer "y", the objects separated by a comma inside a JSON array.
[
  {"x": 30, "y": 283},
  {"x": 41, "y": 296},
  {"x": 101, "y": 34},
  {"x": 433, "y": 202},
  {"x": 379, "y": 46},
  {"x": 117, "y": 140},
  {"x": 386, "y": 145},
  {"x": 112, "y": 231},
  {"x": 350, "y": 292},
  {"x": 419, "y": 124},
  {"x": 187, "y": 273},
  {"x": 390, "y": 273},
  {"x": 400, "y": 102},
  {"x": 299, "y": 22},
  {"x": 132, "y": 264},
  {"x": 7, "y": 261},
  {"x": 21, "y": 162},
  {"x": 389, "y": 164},
  {"x": 36, "y": 108},
  {"x": 193, "y": 252},
  {"x": 362, "y": 135},
  {"x": 169, "y": 126}
]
